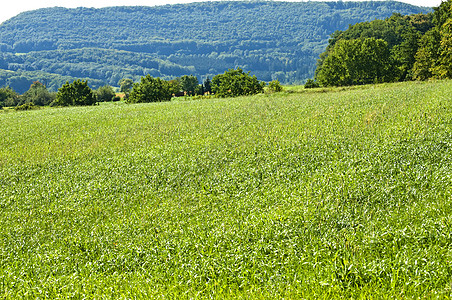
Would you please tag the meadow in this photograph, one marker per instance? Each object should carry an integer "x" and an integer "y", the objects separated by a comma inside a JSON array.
[{"x": 338, "y": 193}]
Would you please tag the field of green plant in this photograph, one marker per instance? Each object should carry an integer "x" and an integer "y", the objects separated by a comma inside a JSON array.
[{"x": 339, "y": 193}]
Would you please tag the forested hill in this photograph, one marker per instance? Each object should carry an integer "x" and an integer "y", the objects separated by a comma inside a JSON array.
[{"x": 274, "y": 40}]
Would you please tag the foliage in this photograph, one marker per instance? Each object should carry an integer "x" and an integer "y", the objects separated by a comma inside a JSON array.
[
  {"x": 235, "y": 83},
  {"x": 207, "y": 86},
  {"x": 275, "y": 86},
  {"x": 150, "y": 90},
  {"x": 75, "y": 93},
  {"x": 359, "y": 61},
  {"x": 105, "y": 93},
  {"x": 26, "y": 106},
  {"x": 420, "y": 47},
  {"x": 336, "y": 195},
  {"x": 8, "y": 97},
  {"x": 189, "y": 84},
  {"x": 37, "y": 95},
  {"x": 444, "y": 63},
  {"x": 174, "y": 86},
  {"x": 125, "y": 85},
  {"x": 204, "y": 39},
  {"x": 427, "y": 55},
  {"x": 311, "y": 83}
]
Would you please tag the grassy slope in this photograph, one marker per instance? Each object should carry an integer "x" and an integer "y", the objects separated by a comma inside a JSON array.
[{"x": 343, "y": 193}]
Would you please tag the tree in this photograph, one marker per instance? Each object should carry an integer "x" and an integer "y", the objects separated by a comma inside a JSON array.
[
  {"x": 189, "y": 84},
  {"x": 236, "y": 83},
  {"x": 150, "y": 90},
  {"x": 207, "y": 86},
  {"x": 8, "y": 97},
  {"x": 37, "y": 95},
  {"x": 444, "y": 63},
  {"x": 105, "y": 93},
  {"x": 125, "y": 85},
  {"x": 427, "y": 55},
  {"x": 76, "y": 93},
  {"x": 174, "y": 86},
  {"x": 358, "y": 61}
]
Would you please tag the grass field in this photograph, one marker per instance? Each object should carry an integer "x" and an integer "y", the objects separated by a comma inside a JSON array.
[{"x": 340, "y": 193}]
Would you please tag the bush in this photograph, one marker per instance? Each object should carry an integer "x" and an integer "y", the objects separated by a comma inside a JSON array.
[
  {"x": 150, "y": 90},
  {"x": 26, "y": 106},
  {"x": 236, "y": 83},
  {"x": 310, "y": 84},
  {"x": 274, "y": 86}
]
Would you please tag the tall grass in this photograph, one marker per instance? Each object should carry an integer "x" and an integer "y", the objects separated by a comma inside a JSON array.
[{"x": 342, "y": 193}]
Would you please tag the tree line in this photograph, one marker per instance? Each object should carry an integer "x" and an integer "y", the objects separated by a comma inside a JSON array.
[
  {"x": 399, "y": 48},
  {"x": 232, "y": 83}
]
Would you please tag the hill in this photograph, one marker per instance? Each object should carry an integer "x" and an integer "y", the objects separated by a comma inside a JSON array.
[
  {"x": 330, "y": 193},
  {"x": 274, "y": 40}
]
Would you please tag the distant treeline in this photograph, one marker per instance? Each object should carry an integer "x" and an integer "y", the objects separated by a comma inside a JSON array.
[
  {"x": 231, "y": 83},
  {"x": 399, "y": 48},
  {"x": 274, "y": 40}
]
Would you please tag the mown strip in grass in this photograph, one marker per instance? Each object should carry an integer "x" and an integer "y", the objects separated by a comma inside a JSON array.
[{"x": 345, "y": 193}]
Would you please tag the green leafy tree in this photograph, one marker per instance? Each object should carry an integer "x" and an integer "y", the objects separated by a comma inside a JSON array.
[
  {"x": 174, "y": 86},
  {"x": 359, "y": 61},
  {"x": 8, "y": 97},
  {"x": 236, "y": 83},
  {"x": 125, "y": 85},
  {"x": 442, "y": 13},
  {"x": 189, "y": 84},
  {"x": 150, "y": 90},
  {"x": 207, "y": 86},
  {"x": 105, "y": 93},
  {"x": 37, "y": 95},
  {"x": 444, "y": 63},
  {"x": 427, "y": 55},
  {"x": 76, "y": 93}
]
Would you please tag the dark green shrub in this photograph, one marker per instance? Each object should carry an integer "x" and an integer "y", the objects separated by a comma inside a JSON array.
[
  {"x": 311, "y": 83},
  {"x": 26, "y": 106}
]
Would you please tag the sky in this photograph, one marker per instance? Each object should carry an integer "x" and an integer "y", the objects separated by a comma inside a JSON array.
[{"x": 13, "y": 7}]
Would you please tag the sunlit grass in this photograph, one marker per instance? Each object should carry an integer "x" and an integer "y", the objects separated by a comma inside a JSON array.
[{"x": 339, "y": 193}]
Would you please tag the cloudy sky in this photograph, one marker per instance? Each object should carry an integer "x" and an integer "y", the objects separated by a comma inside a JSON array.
[{"x": 14, "y": 7}]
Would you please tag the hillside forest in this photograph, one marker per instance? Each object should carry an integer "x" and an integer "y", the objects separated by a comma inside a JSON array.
[
  {"x": 274, "y": 40},
  {"x": 399, "y": 48}
]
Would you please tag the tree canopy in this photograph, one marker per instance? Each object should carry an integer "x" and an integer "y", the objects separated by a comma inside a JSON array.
[
  {"x": 37, "y": 95},
  {"x": 236, "y": 83},
  {"x": 75, "y": 93},
  {"x": 150, "y": 90},
  {"x": 395, "y": 49}
]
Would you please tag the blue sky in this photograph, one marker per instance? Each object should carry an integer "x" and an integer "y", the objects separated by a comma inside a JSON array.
[{"x": 12, "y": 8}]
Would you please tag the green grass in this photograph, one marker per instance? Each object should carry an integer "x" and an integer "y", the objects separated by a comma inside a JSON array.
[{"x": 343, "y": 193}]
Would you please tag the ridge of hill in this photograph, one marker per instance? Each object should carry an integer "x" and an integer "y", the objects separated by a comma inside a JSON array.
[{"x": 274, "y": 40}]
